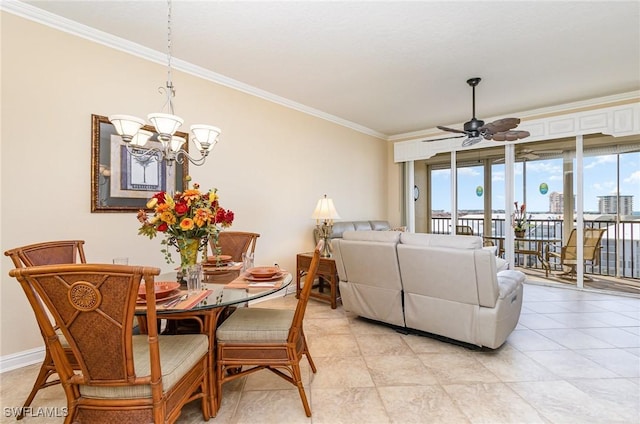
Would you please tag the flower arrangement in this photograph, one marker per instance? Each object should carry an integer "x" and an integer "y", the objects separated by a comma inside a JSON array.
[
  {"x": 519, "y": 218},
  {"x": 186, "y": 216}
]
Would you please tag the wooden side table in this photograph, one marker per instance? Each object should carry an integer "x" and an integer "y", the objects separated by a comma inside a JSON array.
[{"x": 326, "y": 272}]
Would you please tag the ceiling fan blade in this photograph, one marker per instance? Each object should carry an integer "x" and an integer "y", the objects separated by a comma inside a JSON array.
[
  {"x": 529, "y": 156},
  {"x": 501, "y": 125},
  {"x": 510, "y": 135},
  {"x": 451, "y": 130},
  {"x": 470, "y": 141},
  {"x": 444, "y": 138}
]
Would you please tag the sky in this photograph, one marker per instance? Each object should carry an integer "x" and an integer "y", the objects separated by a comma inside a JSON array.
[{"x": 600, "y": 179}]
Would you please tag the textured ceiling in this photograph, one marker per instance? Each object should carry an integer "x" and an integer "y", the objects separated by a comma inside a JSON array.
[{"x": 394, "y": 67}]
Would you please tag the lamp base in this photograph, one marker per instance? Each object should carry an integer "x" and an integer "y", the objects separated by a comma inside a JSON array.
[{"x": 326, "y": 250}]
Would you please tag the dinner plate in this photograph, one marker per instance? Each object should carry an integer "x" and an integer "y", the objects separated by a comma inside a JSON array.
[
  {"x": 161, "y": 288},
  {"x": 172, "y": 295},
  {"x": 221, "y": 258},
  {"x": 263, "y": 271},
  {"x": 250, "y": 277}
]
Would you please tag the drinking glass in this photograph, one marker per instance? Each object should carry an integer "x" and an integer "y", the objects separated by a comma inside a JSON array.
[
  {"x": 194, "y": 278},
  {"x": 247, "y": 261}
]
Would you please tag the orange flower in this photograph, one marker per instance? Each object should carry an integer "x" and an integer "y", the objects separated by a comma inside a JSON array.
[
  {"x": 186, "y": 224},
  {"x": 162, "y": 208},
  {"x": 190, "y": 195},
  {"x": 202, "y": 217}
]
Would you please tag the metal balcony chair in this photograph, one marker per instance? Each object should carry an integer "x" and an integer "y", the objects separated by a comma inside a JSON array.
[
  {"x": 568, "y": 254},
  {"x": 464, "y": 230}
]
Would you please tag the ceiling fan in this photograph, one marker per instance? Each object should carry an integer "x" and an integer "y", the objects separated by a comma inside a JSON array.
[
  {"x": 476, "y": 130},
  {"x": 525, "y": 154}
]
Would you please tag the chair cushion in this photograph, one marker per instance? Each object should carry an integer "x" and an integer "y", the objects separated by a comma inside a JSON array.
[
  {"x": 256, "y": 325},
  {"x": 178, "y": 355}
]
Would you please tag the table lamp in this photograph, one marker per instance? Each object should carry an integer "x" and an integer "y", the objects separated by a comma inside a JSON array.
[{"x": 324, "y": 214}]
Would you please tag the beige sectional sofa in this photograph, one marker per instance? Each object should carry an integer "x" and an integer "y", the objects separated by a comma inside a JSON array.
[
  {"x": 339, "y": 227},
  {"x": 441, "y": 284}
]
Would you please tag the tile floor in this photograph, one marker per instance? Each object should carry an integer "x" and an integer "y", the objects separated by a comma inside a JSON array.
[{"x": 573, "y": 358}]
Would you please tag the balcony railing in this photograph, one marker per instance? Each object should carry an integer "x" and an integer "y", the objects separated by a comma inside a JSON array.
[{"x": 619, "y": 256}]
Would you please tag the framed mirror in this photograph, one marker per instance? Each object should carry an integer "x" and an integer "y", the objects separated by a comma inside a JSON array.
[{"x": 120, "y": 182}]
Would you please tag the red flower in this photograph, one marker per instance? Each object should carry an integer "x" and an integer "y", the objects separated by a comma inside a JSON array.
[
  {"x": 163, "y": 227},
  {"x": 220, "y": 213},
  {"x": 228, "y": 217},
  {"x": 161, "y": 197},
  {"x": 181, "y": 208}
]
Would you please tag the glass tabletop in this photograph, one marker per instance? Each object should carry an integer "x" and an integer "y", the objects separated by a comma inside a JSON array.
[{"x": 215, "y": 295}]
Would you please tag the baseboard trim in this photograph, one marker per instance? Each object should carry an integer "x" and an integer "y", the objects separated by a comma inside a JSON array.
[{"x": 21, "y": 359}]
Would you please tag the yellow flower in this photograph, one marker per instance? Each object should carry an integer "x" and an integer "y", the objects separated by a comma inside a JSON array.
[
  {"x": 168, "y": 217},
  {"x": 186, "y": 224},
  {"x": 152, "y": 202}
]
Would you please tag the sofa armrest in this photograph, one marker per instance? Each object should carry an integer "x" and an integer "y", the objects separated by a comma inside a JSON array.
[{"x": 508, "y": 282}]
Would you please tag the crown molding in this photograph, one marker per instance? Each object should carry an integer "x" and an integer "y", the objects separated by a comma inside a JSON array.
[
  {"x": 43, "y": 17},
  {"x": 563, "y": 109}
]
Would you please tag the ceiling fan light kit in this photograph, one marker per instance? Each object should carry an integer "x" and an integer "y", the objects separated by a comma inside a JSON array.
[{"x": 475, "y": 130}]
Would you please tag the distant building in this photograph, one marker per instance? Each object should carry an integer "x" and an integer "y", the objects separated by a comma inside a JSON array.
[
  {"x": 608, "y": 204},
  {"x": 556, "y": 202}
]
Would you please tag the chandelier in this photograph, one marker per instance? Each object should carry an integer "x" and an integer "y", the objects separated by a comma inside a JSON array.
[{"x": 129, "y": 128}]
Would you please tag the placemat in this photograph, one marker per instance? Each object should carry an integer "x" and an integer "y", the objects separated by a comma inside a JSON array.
[
  {"x": 192, "y": 301},
  {"x": 242, "y": 283}
]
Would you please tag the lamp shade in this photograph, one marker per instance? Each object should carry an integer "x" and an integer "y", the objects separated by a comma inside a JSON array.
[
  {"x": 141, "y": 138},
  {"x": 165, "y": 123},
  {"x": 176, "y": 143},
  {"x": 325, "y": 210},
  {"x": 205, "y": 136},
  {"x": 126, "y": 125}
]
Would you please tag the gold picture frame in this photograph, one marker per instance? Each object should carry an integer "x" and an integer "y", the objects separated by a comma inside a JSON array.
[{"x": 122, "y": 183}]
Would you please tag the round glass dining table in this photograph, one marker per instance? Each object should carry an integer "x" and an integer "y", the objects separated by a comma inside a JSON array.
[
  {"x": 220, "y": 295},
  {"x": 207, "y": 307}
]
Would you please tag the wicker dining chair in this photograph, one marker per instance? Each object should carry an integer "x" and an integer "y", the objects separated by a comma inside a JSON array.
[
  {"x": 272, "y": 339},
  {"x": 234, "y": 244},
  {"x": 47, "y": 253},
  {"x": 122, "y": 378}
]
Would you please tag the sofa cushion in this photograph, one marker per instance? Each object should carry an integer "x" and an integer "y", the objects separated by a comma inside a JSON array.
[
  {"x": 441, "y": 240},
  {"x": 379, "y": 225},
  {"x": 361, "y": 225},
  {"x": 382, "y": 236},
  {"x": 341, "y": 227}
]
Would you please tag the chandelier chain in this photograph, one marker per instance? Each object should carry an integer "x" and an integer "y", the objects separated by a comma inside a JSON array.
[
  {"x": 136, "y": 138},
  {"x": 170, "y": 90}
]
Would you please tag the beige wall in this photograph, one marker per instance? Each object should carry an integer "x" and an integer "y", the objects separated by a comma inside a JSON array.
[{"x": 271, "y": 165}]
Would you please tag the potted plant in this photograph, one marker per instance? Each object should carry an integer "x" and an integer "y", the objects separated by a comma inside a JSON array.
[{"x": 519, "y": 220}]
